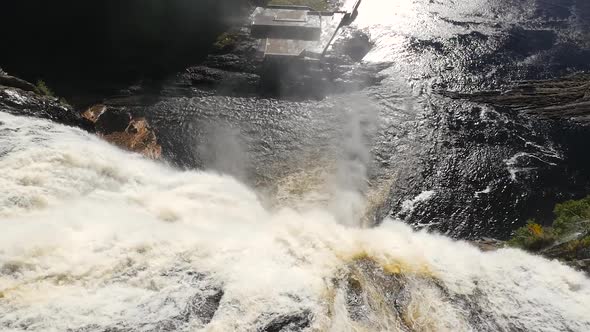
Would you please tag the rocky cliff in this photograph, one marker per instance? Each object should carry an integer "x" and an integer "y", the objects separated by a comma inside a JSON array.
[
  {"x": 567, "y": 97},
  {"x": 116, "y": 126},
  {"x": 89, "y": 41}
]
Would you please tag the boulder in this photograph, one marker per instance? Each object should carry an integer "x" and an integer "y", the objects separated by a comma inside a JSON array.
[
  {"x": 15, "y": 82},
  {"x": 296, "y": 321},
  {"x": 17, "y": 101},
  {"x": 94, "y": 112},
  {"x": 109, "y": 120},
  {"x": 120, "y": 128},
  {"x": 137, "y": 137}
]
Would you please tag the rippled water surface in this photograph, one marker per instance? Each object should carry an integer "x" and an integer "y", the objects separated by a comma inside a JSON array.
[{"x": 489, "y": 169}]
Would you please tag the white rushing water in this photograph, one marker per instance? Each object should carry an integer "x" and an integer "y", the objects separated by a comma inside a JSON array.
[{"x": 96, "y": 239}]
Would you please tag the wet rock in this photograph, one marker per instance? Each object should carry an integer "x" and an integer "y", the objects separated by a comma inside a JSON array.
[
  {"x": 222, "y": 80},
  {"x": 582, "y": 265},
  {"x": 111, "y": 120},
  {"x": 98, "y": 328},
  {"x": 488, "y": 244},
  {"x": 17, "y": 101},
  {"x": 365, "y": 280},
  {"x": 203, "y": 306},
  {"x": 94, "y": 112},
  {"x": 137, "y": 137},
  {"x": 234, "y": 68},
  {"x": 200, "y": 307},
  {"x": 115, "y": 126},
  {"x": 390, "y": 293},
  {"x": 288, "y": 323},
  {"x": 118, "y": 127},
  {"x": 570, "y": 249},
  {"x": 235, "y": 51},
  {"x": 14, "y": 268},
  {"x": 235, "y": 62},
  {"x": 15, "y": 82},
  {"x": 565, "y": 98}
]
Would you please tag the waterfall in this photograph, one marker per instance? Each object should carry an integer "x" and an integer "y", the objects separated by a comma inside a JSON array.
[{"x": 97, "y": 239}]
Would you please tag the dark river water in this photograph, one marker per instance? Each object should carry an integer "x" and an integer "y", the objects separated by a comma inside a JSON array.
[{"x": 461, "y": 168}]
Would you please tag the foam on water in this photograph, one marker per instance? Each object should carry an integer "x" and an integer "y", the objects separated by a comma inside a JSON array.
[{"x": 94, "y": 238}]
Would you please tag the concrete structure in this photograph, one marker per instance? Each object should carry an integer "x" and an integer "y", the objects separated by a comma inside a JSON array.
[{"x": 297, "y": 32}]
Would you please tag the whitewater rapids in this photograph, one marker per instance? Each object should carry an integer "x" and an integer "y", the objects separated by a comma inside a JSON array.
[{"x": 93, "y": 238}]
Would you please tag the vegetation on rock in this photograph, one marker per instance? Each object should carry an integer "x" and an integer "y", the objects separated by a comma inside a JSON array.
[
  {"x": 567, "y": 239},
  {"x": 44, "y": 89},
  {"x": 532, "y": 237},
  {"x": 571, "y": 218}
]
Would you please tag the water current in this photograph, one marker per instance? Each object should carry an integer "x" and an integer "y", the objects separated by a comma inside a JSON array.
[{"x": 301, "y": 217}]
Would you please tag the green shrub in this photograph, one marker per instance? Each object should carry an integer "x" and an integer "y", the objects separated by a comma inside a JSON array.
[
  {"x": 575, "y": 249},
  {"x": 44, "y": 89},
  {"x": 532, "y": 236},
  {"x": 64, "y": 101},
  {"x": 572, "y": 216},
  {"x": 315, "y": 4}
]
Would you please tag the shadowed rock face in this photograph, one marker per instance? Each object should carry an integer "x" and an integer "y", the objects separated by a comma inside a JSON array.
[
  {"x": 88, "y": 41},
  {"x": 567, "y": 97},
  {"x": 15, "y": 100},
  {"x": 20, "y": 97}
]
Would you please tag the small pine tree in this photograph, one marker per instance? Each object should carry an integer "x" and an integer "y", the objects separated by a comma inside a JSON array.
[
  {"x": 44, "y": 89},
  {"x": 532, "y": 236}
]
